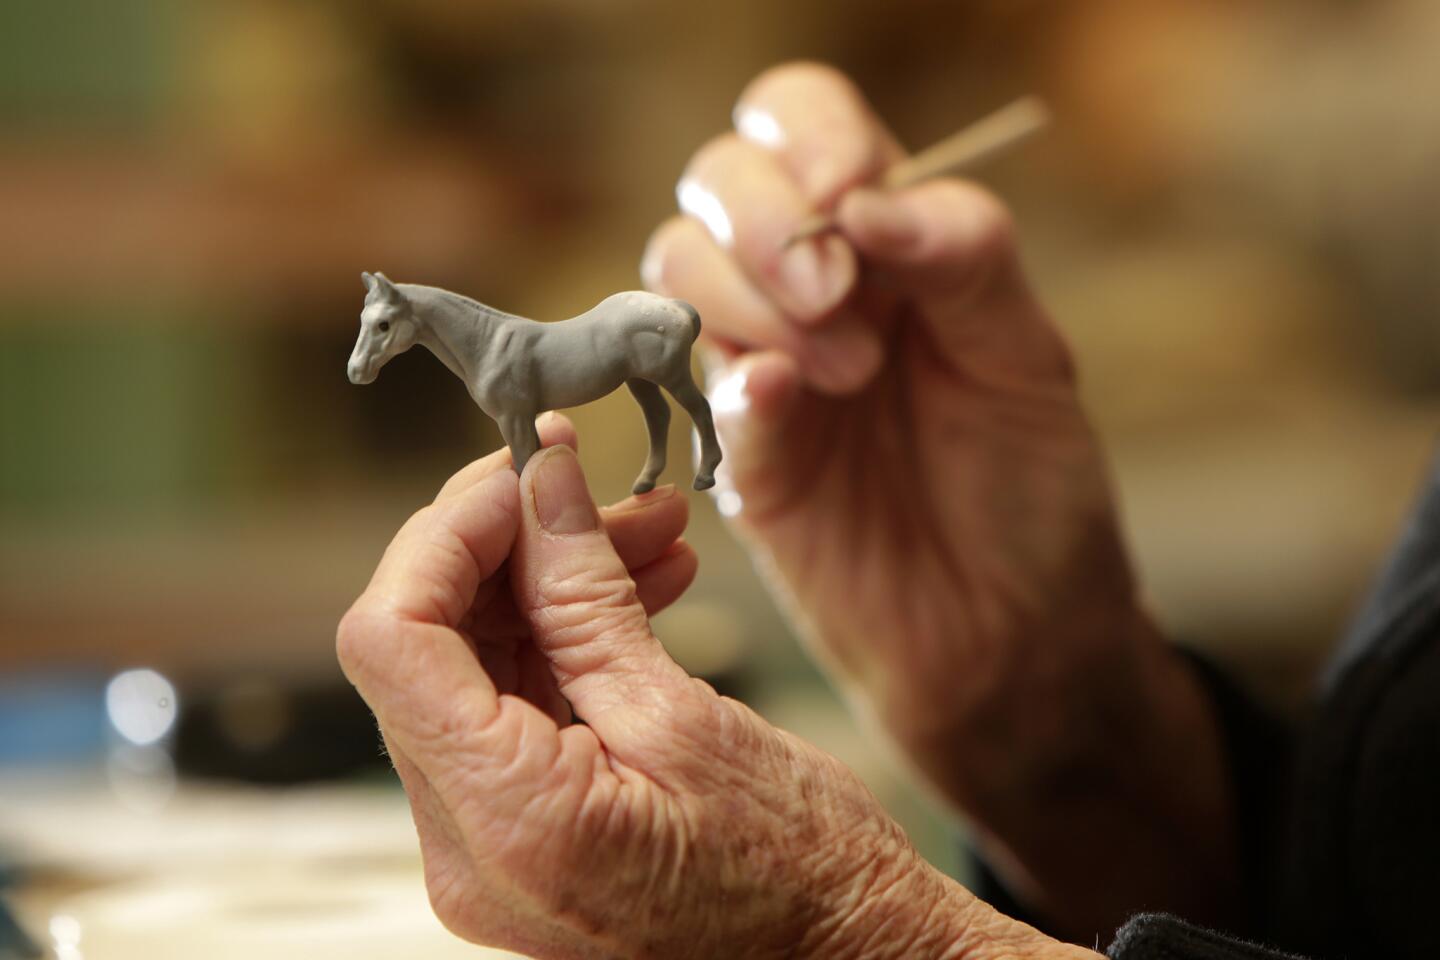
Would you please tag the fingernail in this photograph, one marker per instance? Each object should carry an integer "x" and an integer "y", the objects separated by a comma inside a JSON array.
[
  {"x": 759, "y": 126},
  {"x": 562, "y": 501},
  {"x": 727, "y": 393},
  {"x": 638, "y": 500},
  {"x": 652, "y": 265},
  {"x": 816, "y": 275}
]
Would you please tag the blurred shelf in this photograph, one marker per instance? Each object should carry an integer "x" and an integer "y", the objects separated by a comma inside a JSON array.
[{"x": 112, "y": 218}]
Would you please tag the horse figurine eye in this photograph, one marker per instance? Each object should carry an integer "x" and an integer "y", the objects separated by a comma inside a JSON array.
[{"x": 384, "y": 326}]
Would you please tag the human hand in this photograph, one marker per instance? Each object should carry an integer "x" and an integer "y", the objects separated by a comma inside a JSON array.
[
  {"x": 906, "y": 454},
  {"x": 671, "y": 822},
  {"x": 903, "y": 434}
]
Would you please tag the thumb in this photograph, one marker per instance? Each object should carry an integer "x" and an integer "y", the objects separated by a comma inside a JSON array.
[
  {"x": 951, "y": 247},
  {"x": 573, "y": 589},
  {"x": 944, "y": 238}
]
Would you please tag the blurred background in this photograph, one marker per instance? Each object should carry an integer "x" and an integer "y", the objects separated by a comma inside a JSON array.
[{"x": 1236, "y": 220}]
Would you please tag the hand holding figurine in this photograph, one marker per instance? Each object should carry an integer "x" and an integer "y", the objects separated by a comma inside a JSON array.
[{"x": 672, "y": 822}]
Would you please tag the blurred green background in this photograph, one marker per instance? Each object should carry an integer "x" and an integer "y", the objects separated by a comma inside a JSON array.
[{"x": 1236, "y": 219}]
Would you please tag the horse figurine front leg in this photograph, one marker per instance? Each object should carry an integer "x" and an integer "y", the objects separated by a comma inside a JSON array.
[{"x": 520, "y": 435}]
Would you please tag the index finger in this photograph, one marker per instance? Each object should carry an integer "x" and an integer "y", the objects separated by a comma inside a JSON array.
[
  {"x": 819, "y": 125},
  {"x": 398, "y": 642},
  {"x": 431, "y": 570}
]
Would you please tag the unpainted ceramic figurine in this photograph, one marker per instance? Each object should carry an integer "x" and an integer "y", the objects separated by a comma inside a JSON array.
[{"x": 516, "y": 369}]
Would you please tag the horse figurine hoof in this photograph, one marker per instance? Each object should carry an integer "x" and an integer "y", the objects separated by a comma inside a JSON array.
[{"x": 516, "y": 369}]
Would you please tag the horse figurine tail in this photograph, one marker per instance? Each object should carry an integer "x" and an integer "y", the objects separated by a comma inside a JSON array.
[{"x": 694, "y": 319}]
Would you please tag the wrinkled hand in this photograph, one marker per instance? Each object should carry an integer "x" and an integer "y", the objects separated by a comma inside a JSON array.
[
  {"x": 671, "y": 822},
  {"x": 906, "y": 453},
  {"x": 900, "y": 417}
]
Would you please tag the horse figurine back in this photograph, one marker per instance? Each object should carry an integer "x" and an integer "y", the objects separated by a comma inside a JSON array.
[{"x": 516, "y": 369}]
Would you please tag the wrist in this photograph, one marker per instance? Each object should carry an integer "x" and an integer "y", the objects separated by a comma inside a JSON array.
[
  {"x": 909, "y": 909},
  {"x": 893, "y": 906},
  {"x": 1043, "y": 708},
  {"x": 1086, "y": 792}
]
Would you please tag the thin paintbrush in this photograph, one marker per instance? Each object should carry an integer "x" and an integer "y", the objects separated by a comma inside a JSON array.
[{"x": 981, "y": 141}]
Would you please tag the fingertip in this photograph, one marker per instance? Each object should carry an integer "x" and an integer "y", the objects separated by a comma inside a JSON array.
[
  {"x": 643, "y": 501},
  {"x": 472, "y": 473},
  {"x": 501, "y": 489},
  {"x": 665, "y": 580},
  {"x": 557, "y": 429},
  {"x": 659, "y": 249},
  {"x": 555, "y": 495},
  {"x": 539, "y": 459},
  {"x": 553, "y": 427},
  {"x": 819, "y": 123},
  {"x": 763, "y": 383},
  {"x": 484, "y": 513},
  {"x": 643, "y": 526},
  {"x": 815, "y": 275},
  {"x": 683, "y": 562},
  {"x": 663, "y": 501}
]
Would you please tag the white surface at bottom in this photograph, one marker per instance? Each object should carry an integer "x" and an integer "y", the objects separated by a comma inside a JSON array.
[{"x": 304, "y": 914}]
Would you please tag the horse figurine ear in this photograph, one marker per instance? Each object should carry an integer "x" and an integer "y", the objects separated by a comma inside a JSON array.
[
  {"x": 368, "y": 279},
  {"x": 386, "y": 287}
]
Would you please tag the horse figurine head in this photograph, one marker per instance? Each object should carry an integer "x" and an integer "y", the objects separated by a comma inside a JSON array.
[{"x": 388, "y": 327}]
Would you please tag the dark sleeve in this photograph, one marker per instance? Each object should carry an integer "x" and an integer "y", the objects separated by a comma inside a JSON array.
[
  {"x": 1156, "y": 936},
  {"x": 1258, "y": 749},
  {"x": 1260, "y": 757},
  {"x": 1337, "y": 827}
]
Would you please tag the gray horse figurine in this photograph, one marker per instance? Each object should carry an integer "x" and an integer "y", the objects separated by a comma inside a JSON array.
[{"x": 516, "y": 369}]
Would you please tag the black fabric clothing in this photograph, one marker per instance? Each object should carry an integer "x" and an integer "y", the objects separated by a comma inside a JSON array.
[
  {"x": 1339, "y": 820},
  {"x": 1152, "y": 936}
]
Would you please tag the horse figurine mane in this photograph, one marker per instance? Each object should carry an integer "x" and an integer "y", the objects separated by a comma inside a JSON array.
[
  {"x": 464, "y": 301},
  {"x": 516, "y": 369}
]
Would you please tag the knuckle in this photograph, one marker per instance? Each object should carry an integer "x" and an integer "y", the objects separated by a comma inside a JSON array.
[
  {"x": 808, "y": 77},
  {"x": 714, "y": 156},
  {"x": 831, "y": 138},
  {"x": 737, "y": 724},
  {"x": 352, "y": 638},
  {"x": 423, "y": 516},
  {"x": 989, "y": 226},
  {"x": 589, "y": 603},
  {"x": 692, "y": 713},
  {"x": 586, "y": 587},
  {"x": 708, "y": 737}
]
